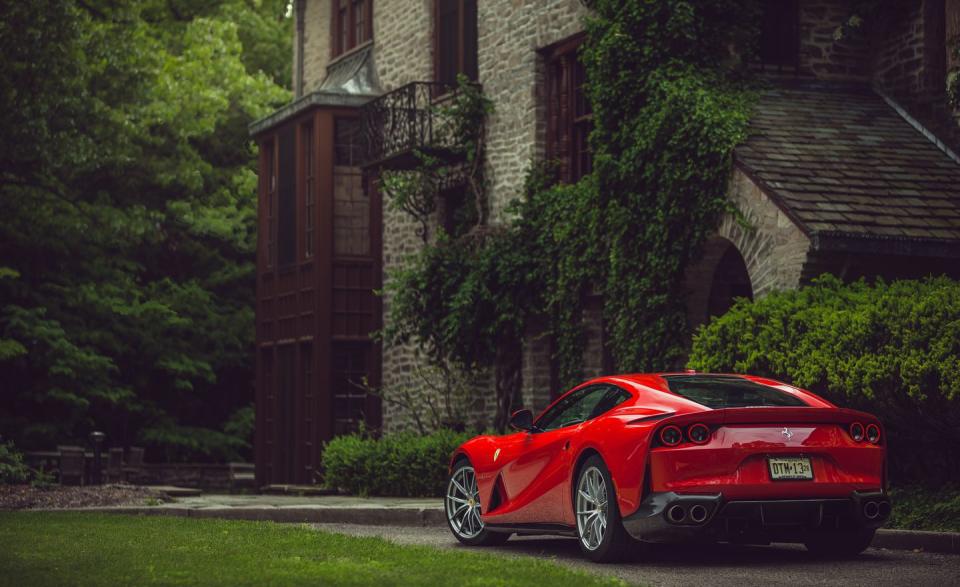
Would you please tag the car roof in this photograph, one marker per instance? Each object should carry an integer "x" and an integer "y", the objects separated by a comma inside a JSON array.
[{"x": 658, "y": 382}]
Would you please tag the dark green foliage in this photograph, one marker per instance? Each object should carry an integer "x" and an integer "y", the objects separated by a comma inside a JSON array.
[
  {"x": 890, "y": 349},
  {"x": 669, "y": 107},
  {"x": 919, "y": 507},
  {"x": 557, "y": 226},
  {"x": 12, "y": 467},
  {"x": 127, "y": 219},
  {"x": 401, "y": 465}
]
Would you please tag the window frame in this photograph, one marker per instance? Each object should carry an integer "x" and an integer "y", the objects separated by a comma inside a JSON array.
[
  {"x": 462, "y": 51},
  {"x": 346, "y": 29},
  {"x": 569, "y": 115}
]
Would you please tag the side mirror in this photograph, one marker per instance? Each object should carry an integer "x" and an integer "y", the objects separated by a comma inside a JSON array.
[{"x": 522, "y": 420}]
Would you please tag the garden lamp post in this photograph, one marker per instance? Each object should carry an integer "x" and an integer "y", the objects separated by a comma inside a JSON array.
[{"x": 96, "y": 437}]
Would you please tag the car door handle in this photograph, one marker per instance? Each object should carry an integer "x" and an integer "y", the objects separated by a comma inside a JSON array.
[{"x": 566, "y": 445}]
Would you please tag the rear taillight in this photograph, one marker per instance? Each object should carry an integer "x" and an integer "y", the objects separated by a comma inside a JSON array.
[
  {"x": 873, "y": 434},
  {"x": 698, "y": 433},
  {"x": 856, "y": 431},
  {"x": 671, "y": 436}
]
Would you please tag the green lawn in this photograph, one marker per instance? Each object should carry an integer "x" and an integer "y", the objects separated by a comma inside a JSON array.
[{"x": 44, "y": 548}]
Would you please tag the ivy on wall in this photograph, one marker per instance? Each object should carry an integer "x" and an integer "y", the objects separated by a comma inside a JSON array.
[{"x": 669, "y": 104}]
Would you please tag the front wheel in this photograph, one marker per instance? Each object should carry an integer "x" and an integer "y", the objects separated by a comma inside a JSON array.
[
  {"x": 602, "y": 536},
  {"x": 839, "y": 544},
  {"x": 462, "y": 504}
]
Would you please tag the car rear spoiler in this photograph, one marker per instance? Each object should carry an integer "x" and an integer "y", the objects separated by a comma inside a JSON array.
[{"x": 773, "y": 415}]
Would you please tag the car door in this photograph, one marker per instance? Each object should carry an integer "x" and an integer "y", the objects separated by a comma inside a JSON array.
[{"x": 536, "y": 474}]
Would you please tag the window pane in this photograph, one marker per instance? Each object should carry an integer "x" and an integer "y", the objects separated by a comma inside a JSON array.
[
  {"x": 470, "y": 39},
  {"x": 779, "y": 33},
  {"x": 719, "y": 392},
  {"x": 448, "y": 19},
  {"x": 347, "y": 142},
  {"x": 359, "y": 21},
  {"x": 287, "y": 205},
  {"x": 308, "y": 189}
]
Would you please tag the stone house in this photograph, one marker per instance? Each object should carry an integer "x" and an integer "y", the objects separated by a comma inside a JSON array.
[{"x": 851, "y": 168}]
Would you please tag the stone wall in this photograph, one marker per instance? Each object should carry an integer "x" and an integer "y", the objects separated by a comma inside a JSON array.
[
  {"x": 911, "y": 63},
  {"x": 316, "y": 39},
  {"x": 823, "y": 56},
  {"x": 512, "y": 71},
  {"x": 774, "y": 249}
]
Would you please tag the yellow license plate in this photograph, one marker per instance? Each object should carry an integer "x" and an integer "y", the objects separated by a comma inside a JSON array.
[{"x": 790, "y": 468}]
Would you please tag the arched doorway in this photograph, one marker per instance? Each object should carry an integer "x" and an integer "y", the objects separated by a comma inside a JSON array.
[
  {"x": 715, "y": 281},
  {"x": 730, "y": 281}
]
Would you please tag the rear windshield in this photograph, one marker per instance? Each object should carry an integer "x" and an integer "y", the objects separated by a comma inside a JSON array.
[{"x": 729, "y": 392}]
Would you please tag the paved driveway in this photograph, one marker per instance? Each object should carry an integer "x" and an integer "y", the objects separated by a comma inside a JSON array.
[{"x": 720, "y": 565}]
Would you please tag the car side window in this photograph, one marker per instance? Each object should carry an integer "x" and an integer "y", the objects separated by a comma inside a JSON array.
[{"x": 581, "y": 406}]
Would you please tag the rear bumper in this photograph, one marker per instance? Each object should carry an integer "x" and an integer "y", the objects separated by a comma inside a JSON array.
[{"x": 672, "y": 517}]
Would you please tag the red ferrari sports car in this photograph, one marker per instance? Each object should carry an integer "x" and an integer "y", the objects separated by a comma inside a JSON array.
[{"x": 676, "y": 457}]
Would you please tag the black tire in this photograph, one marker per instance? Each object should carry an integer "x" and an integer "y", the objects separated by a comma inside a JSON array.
[
  {"x": 614, "y": 542},
  {"x": 840, "y": 543},
  {"x": 467, "y": 527}
]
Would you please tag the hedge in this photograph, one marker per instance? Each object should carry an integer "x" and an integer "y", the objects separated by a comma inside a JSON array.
[
  {"x": 889, "y": 348},
  {"x": 400, "y": 465}
]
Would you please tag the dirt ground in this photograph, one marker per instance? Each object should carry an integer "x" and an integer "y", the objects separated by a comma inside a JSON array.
[{"x": 20, "y": 497}]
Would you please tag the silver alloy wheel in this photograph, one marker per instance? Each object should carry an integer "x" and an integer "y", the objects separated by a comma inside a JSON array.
[
  {"x": 591, "y": 508},
  {"x": 463, "y": 503}
]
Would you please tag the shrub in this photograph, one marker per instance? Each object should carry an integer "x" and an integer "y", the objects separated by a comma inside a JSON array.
[
  {"x": 891, "y": 349},
  {"x": 401, "y": 465},
  {"x": 922, "y": 508},
  {"x": 12, "y": 468}
]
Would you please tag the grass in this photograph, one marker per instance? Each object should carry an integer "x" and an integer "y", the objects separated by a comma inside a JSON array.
[
  {"x": 53, "y": 548},
  {"x": 921, "y": 508}
]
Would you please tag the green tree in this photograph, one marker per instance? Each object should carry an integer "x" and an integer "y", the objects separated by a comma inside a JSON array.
[{"x": 127, "y": 218}]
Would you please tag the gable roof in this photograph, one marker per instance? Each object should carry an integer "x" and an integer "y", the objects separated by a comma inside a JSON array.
[{"x": 846, "y": 167}]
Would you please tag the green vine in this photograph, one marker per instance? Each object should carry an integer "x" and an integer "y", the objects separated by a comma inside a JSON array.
[{"x": 669, "y": 106}]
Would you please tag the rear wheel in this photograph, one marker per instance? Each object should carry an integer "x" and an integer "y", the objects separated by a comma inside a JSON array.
[
  {"x": 602, "y": 536},
  {"x": 839, "y": 544},
  {"x": 462, "y": 505}
]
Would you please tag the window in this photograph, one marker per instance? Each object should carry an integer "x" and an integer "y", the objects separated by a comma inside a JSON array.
[
  {"x": 780, "y": 34},
  {"x": 352, "y": 24},
  {"x": 271, "y": 179},
  {"x": 569, "y": 116},
  {"x": 350, "y": 371},
  {"x": 455, "y": 40},
  {"x": 347, "y": 148},
  {"x": 309, "y": 190},
  {"x": 717, "y": 392},
  {"x": 286, "y": 199},
  {"x": 582, "y": 405}
]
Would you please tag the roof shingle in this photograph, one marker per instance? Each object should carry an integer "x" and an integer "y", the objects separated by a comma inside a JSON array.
[{"x": 841, "y": 160}]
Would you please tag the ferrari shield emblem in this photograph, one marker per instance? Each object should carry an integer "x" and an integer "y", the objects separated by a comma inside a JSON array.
[{"x": 496, "y": 454}]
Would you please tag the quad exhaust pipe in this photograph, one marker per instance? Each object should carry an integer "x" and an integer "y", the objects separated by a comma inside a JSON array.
[
  {"x": 873, "y": 510},
  {"x": 696, "y": 513},
  {"x": 676, "y": 513}
]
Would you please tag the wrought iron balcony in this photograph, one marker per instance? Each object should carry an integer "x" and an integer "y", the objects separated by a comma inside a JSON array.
[{"x": 405, "y": 121}]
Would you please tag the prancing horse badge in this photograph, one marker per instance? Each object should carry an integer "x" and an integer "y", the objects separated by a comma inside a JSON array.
[{"x": 496, "y": 454}]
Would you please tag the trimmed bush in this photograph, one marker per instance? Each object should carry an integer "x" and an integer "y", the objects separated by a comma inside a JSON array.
[
  {"x": 891, "y": 349},
  {"x": 400, "y": 465}
]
